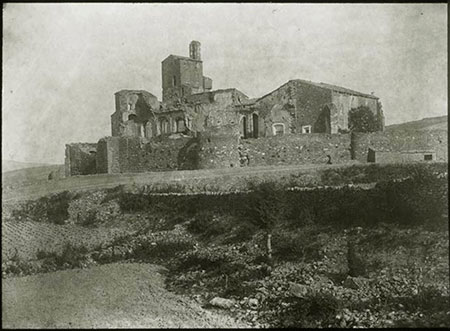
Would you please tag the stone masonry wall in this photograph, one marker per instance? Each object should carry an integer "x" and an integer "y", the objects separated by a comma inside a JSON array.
[
  {"x": 400, "y": 141},
  {"x": 80, "y": 159},
  {"x": 297, "y": 149},
  {"x": 218, "y": 148},
  {"x": 133, "y": 154}
]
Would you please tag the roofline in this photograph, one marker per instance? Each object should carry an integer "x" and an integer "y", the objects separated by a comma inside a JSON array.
[
  {"x": 181, "y": 57},
  {"x": 352, "y": 92},
  {"x": 130, "y": 90},
  {"x": 221, "y": 90},
  {"x": 318, "y": 86}
]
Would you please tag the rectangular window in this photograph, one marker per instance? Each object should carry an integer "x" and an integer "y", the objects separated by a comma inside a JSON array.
[
  {"x": 306, "y": 129},
  {"x": 428, "y": 157},
  {"x": 278, "y": 129}
]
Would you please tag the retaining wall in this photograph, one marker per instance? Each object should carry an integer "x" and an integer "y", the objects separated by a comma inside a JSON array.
[
  {"x": 399, "y": 142},
  {"x": 298, "y": 149}
]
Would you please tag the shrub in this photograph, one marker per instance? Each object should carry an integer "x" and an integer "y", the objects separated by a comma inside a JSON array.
[
  {"x": 301, "y": 245},
  {"x": 160, "y": 250},
  {"x": 362, "y": 119}
]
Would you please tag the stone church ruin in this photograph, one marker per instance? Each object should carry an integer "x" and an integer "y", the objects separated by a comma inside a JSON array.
[{"x": 196, "y": 127}]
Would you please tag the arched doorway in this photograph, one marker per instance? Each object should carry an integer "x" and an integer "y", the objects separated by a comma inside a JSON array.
[{"x": 255, "y": 119}]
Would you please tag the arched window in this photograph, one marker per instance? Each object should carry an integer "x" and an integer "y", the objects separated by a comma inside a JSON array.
[{"x": 278, "y": 129}]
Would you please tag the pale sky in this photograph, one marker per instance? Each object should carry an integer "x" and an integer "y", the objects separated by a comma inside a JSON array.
[{"x": 62, "y": 63}]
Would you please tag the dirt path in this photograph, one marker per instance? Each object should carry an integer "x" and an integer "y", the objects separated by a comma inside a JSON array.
[{"x": 109, "y": 296}]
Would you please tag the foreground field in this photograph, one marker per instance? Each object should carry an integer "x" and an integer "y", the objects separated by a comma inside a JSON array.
[
  {"x": 341, "y": 256},
  {"x": 114, "y": 295},
  {"x": 26, "y": 239}
]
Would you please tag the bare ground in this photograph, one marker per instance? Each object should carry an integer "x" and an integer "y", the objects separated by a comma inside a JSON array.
[{"x": 128, "y": 295}]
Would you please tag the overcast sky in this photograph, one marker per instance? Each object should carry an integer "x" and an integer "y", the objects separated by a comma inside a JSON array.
[{"x": 62, "y": 63}]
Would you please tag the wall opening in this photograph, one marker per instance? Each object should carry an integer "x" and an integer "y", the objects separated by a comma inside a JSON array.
[
  {"x": 164, "y": 124},
  {"x": 132, "y": 117},
  {"x": 243, "y": 127},
  {"x": 255, "y": 119},
  {"x": 428, "y": 157},
  {"x": 306, "y": 129},
  {"x": 174, "y": 81},
  {"x": 278, "y": 129},
  {"x": 148, "y": 129},
  {"x": 181, "y": 127}
]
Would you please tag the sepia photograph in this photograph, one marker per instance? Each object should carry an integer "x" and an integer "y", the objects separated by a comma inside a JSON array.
[{"x": 225, "y": 165}]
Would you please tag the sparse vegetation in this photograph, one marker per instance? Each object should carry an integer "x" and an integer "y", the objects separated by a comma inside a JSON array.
[{"x": 341, "y": 256}]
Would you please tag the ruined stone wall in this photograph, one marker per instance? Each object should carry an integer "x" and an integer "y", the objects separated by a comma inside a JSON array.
[
  {"x": 303, "y": 102},
  {"x": 108, "y": 155},
  {"x": 133, "y": 109},
  {"x": 400, "y": 141},
  {"x": 131, "y": 154},
  {"x": 344, "y": 102},
  {"x": 218, "y": 147},
  {"x": 170, "y": 69},
  {"x": 80, "y": 159},
  {"x": 400, "y": 157},
  {"x": 191, "y": 73},
  {"x": 297, "y": 149},
  {"x": 181, "y": 77},
  {"x": 213, "y": 109}
]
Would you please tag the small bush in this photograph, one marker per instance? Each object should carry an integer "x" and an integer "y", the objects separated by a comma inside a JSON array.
[{"x": 302, "y": 245}]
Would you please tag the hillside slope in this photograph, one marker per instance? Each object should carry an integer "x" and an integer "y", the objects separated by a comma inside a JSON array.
[
  {"x": 425, "y": 124},
  {"x": 31, "y": 175},
  {"x": 10, "y": 165}
]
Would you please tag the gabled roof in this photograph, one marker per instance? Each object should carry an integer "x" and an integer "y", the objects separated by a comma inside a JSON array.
[
  {"x": 335, "y": 88},
  {"x": 323, "y": 86}
]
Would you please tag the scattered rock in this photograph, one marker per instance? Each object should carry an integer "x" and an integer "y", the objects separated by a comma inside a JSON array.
[
  {"x": 222, "y": 303},
  {"x": 298, "y": 290},
  {"x": 355, "y": 283},
  {"x": 253, "y": 303}
]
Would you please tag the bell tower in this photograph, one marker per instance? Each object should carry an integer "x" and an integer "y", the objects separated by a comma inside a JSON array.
[{"x": 194, "y": 50}]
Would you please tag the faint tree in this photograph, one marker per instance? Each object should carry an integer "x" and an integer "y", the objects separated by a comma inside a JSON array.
[
  {"x": 362, "y": 119},
  {"x": 266, "y": 207}
]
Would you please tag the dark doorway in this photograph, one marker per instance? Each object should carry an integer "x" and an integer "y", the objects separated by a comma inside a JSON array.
[
  {"x": 255, "y": 119},
  {"x": 244, "y": 127}
]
